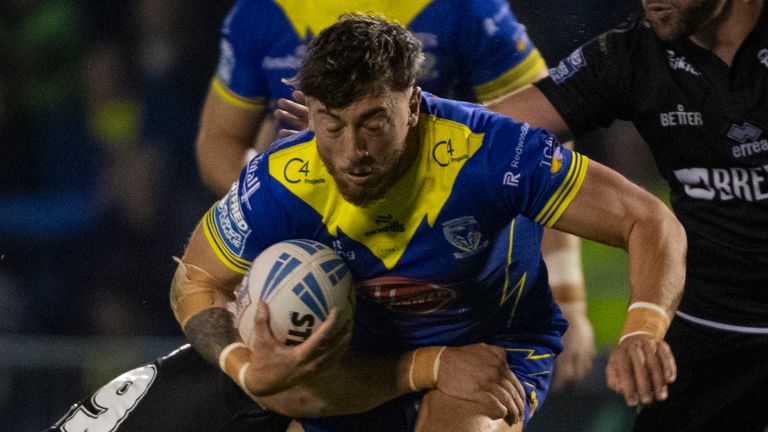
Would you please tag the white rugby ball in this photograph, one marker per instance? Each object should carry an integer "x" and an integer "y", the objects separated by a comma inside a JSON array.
[{"x": 300, "y": 280}]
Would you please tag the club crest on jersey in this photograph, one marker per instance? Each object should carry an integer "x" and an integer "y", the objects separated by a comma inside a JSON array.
[{"x": 463, "y": 234}]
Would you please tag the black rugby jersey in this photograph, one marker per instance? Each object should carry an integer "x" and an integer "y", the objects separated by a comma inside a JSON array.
[{"x": 707, "y": 127}]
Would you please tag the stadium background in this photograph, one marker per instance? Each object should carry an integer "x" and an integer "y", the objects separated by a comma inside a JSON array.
[{"x": 99, "y": 104}]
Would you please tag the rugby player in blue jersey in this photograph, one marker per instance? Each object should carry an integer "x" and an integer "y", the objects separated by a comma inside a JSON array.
[
  {"x": 475, "y": 51},
  {"x": 375, "y": 146}
]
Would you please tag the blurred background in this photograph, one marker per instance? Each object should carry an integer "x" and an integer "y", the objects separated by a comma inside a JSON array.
[{"x": 99, "y": 106}]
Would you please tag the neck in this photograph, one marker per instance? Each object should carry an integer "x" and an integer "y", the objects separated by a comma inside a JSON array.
[
  {"x": 725, "y": 33},
  {"x": 413, "y": 140}
]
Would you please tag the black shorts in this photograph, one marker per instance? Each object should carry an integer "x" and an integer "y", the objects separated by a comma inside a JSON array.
[
  {"x": 179, "y": 392},
  {"x": 722, "y": 383}
]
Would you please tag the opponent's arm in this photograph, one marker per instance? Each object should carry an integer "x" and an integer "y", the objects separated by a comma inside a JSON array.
[
  {"x": 228, "y": 128},
  {"x": 611, "y": 210}
]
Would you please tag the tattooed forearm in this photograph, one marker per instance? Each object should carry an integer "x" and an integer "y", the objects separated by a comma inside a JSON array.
[{"x": 210, "y": 331}]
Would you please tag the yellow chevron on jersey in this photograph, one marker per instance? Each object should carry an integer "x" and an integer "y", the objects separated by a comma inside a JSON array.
[
  {"x": 301, "y": 171},
  {"x": 312, "y": 16},
  {"x": 565, "y": 193}
]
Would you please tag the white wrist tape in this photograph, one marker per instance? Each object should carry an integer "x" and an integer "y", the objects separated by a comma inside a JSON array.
[
  {"x": 225, "y": 353},
  {"x": 564, "y": 267},
  {"x": 648, "y": 305}
]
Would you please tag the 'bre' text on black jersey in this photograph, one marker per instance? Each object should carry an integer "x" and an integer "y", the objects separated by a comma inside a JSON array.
[{"x": 707, "y": 126}]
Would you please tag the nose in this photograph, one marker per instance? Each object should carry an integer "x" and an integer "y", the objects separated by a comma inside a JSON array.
[{"x": 354, "y": 145}]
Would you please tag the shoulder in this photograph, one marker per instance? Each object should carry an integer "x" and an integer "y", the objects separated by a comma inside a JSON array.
[{"x": 476, "y": 118}]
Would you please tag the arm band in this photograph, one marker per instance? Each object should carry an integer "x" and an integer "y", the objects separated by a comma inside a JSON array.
[
  {"x": 425, "y": 365},
  {"x": 645, "y": 318},
  {"x": 234, "y": 361},
  {"x": 194, "y": 290},
  {"x": 564, "y": 268}
]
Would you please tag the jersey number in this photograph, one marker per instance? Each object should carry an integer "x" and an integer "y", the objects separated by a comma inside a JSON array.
[{"x": 110, "y": 405}]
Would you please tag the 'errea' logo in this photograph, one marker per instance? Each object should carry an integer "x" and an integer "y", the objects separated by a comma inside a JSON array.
[{"x": 747, "y": 135}]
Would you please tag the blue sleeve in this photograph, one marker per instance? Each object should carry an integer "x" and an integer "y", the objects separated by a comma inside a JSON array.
[
  {"x": 500, "y": 55},
  {"x": 245, "y": 38},
  {"x": 232, "y": 226},
  {"x": 531, "y": 173}
]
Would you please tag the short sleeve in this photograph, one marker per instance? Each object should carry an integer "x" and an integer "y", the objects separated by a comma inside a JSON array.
[
  {"x": 243, "y": 45},
  {"x": 531, "y": 173},
  {"x": 232, "y": 225},
  {"x": 591, "y": 87},
  {"x": 499, "y": 54}
]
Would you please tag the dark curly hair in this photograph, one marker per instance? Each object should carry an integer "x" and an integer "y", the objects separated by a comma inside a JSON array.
[{"x": 361, "y": 54}]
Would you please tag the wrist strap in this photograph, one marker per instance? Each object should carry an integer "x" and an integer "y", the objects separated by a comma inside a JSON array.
[
  {"x": 645, "y": 318},
  {"x": 425, "y": 365},
  {"x": 234, "y": 361}
]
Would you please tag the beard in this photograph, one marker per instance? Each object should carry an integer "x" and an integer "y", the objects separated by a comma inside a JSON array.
[
  {"x": 672, "y": 23},
  {"x": 381, "y": 177}
]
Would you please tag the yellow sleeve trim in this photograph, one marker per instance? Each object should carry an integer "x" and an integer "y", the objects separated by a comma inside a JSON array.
[
  {"x": 565, "y": 193},
  {"x": 232, "y": 261},
  {"x": 234, "y": 99},
  {"x": 523, "y": 73}
]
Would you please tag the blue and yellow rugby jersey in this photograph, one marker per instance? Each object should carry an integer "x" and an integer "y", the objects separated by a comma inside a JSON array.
[
  {"x": 436, "y": 259},
  {"x": 475, "y": 50}
]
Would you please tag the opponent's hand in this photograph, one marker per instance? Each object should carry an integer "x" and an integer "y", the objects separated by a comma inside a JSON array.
[
  {"x": 578, "y": 347},
  {"x": 479, "y": 373},
  {"x": 293, "y": 112},
  {"x": 276, "y": 366},
  {"x": 640, "y": 368}
]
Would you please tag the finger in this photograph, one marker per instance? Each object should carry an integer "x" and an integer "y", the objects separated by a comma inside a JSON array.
[
  {"x": 495, "y": 409},
  {"x": 625, "y": 382},
  {"x": 653, "y": 364},
  {"x": 510, "y": 392},
  {"x": 515, "y": 403},
  {"x": 282, "y": 133},
  {"x": 668, "y": 362},
  {"x": 299, "y": 97},
  {"x": 308, "y": 348},
  {"x": 641, "y": 375},
  {"x": 288, "y": 118},
  {"x": 298, "y": 110},
  {"x": 261, "y": 328}
]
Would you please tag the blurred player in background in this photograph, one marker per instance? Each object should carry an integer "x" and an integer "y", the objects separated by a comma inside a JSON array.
[
  {"x": 452, "y": 175},
  {"x": 693, "y": 78}
]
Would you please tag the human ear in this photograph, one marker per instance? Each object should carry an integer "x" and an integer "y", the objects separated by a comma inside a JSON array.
[{"x": 414, "y": 106}]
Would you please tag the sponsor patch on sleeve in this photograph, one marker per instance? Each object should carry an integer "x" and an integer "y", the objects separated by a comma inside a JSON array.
[{"x": 226, "y": 229}]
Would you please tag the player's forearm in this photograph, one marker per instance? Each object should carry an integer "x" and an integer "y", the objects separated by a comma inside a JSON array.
[
  {"x": 228, "y": 126},
  {"x": 220, "y": 161},
  {"x": 354, "y": 384},
  {"x": 657, "y": 247},
  {"x": 210, "y": 331}
]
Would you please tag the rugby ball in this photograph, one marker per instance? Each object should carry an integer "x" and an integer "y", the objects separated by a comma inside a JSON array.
[{"x": 300, "y": 280}]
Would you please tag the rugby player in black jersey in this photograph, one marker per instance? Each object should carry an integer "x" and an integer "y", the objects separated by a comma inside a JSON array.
[{"x": 692, "y": 76}]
